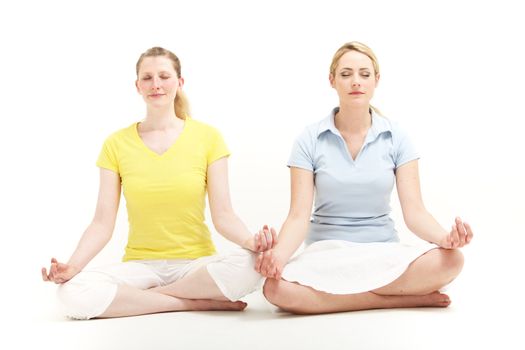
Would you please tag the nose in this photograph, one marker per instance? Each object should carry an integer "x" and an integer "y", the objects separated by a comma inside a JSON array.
[
  {"x": 356, "y": 82},
  {"x": 155, "y": 83}
]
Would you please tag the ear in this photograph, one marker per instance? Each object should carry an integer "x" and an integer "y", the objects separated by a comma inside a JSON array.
[
  {"x": 377, "y": 79},
  {"x": 331, "y": 79},
  {"x": 181, "y": 82},
  {"x": 137, "y": 85}
]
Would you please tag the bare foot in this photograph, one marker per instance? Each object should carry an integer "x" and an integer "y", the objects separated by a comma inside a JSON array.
[
  {"x": 435, "y": 299},
  {"x": 216, "y": 305}
]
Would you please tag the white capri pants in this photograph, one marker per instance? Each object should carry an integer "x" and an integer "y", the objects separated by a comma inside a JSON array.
[{"x": 91, "y": 291}]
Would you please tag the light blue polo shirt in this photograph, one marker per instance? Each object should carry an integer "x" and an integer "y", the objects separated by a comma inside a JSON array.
[{"x": 352, "y": 197}]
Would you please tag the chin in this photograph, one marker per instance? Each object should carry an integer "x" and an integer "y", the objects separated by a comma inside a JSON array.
[
  {"x": 358, "y": 102},
  {"x": 158, "y": 105}
]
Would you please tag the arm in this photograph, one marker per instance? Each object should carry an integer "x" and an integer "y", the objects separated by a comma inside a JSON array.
[
  {"x": 225, "y": 221},
  {"x": 97, "y": 234},
  {"x": 416, "y": 216},
  {"x": 295, "y": 227}
]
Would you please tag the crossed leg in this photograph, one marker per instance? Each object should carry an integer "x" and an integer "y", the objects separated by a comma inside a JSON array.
[
  {"x": 417, "y": 287},
  {"x": 233, "y": 277},
  {"x": 131, "y": 301},
  {"x": 123, "y": 290}
]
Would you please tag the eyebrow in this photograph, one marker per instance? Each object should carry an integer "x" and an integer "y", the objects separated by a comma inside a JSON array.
[
  {"x": 161, "y": 72},
  {"x": 346, "y": 68}
]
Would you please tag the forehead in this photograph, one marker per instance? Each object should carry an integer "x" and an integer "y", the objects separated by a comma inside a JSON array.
[
  {"x": 156, "y": 64},
  {"x": 355, "y": 60}
]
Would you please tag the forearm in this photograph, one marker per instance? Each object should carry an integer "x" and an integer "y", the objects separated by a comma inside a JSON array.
[
  {"x": 291, "y": 236},
  {"x": 95, "y": 237},
  {"x": 233, "y": 229},
  {"x": 423, "y": 225}
]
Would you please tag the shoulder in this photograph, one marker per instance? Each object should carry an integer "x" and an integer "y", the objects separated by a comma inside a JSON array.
[
  {"x": 399, "y": 133},
  {"x": 394, "y": 128},
  {"x": 121, "y": 134},
  {"x": 202, "y": 128},
  {"x": 310, "y": 132},
  {"x": 402, "y": 146}
]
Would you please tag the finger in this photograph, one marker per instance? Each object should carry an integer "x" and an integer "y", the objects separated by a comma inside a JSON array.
[
  {"x": 461, "y": 226},
  {"x": 53, "y": 260},
  {"x": 470, "y": 234},
  {"x": 461, "y": 231},
  {"x": 278, "y": 273},
  {"x": 261, "y": 263},
  {"x": 454, "y": 237},
  {"x": 274, "y": 236},
  {"x": 257, "y": 242},
  {"x": 268, "y": 237},
  {"x": 267, "y": 262},
  {"x": 262, "y": 267},
  {"x": 272, "y": 273},
  {"x": 269, "y": 268},
  {"x": 264, "y": 244},
  {"x": 461, "y": 235},
  {"x": 272, "y": 269},
  {"x": 44, "y": 274},
  {"x": 258, "y": 263},
  {"x": 53, "y": 270}
]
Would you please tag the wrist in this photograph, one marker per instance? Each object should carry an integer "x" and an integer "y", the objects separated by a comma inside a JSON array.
[
  {"x": 249, "y": 244},
  {"x": 280, "y": 254},
  {"x": 74, "y": 266}
]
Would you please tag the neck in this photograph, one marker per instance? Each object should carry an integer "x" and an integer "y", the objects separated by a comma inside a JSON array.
[
  {"x": 161, "y": 119},
  {"x": 353, "y": 119}
]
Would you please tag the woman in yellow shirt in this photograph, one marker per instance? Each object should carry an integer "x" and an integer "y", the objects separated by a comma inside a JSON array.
[{"x": 164, "y": 165}]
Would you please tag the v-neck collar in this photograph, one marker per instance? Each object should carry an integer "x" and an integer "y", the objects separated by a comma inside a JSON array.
[{"x": 152, "y": 152}]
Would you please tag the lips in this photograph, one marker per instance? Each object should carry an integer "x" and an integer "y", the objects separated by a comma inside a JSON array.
[{"x": 357, "y": 93}]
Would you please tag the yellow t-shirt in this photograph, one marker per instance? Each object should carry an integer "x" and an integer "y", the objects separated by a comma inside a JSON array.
[{"x": 165, "y": 194}]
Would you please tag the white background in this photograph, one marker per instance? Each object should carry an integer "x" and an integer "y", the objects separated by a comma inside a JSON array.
[{"x": 451, "y": 73}]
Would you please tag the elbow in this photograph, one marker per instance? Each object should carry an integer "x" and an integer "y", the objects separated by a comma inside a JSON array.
[
  {"x": 410, "y": 222},
  {"x": 413, "y": 217},
  {"x": 222, "y": 220},
  {"x": 298, "y": 218},
  {"x": 103, "y": 228},
  {"x": 218, "y": 225}
]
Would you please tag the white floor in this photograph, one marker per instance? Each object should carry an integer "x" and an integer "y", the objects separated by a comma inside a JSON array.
[{"x": 488, "y": 314}]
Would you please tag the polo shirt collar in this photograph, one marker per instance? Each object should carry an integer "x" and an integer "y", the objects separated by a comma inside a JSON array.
[{"x": 379, "y": 125}]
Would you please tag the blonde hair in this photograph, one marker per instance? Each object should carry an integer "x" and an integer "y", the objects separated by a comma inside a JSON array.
[
  {"x": 182, "y": 105},
  {"x": 359, "y": 47}
]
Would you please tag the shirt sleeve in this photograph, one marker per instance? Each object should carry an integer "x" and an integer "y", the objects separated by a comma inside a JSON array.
[
  {"x": 107, "y": 158},
  {"x": 302, "y": 151},
  {"x": 217, "y": 148},
  {"x": 404, "y": 149}
]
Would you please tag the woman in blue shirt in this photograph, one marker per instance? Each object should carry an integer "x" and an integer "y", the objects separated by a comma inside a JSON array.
[{"x": 354, "y": 261}]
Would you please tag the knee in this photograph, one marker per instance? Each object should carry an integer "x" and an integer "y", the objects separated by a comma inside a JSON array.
[
  {"x": 244, "y": 262},
  {"x": 276, "y": 293},
  {"x": 83, "y": 297},
  {"x": 70, "y": 296},
  {"x": 270, "y": 290},
  {"x": 451, "y": 263},
  {"x": 235, "y": 275}
]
